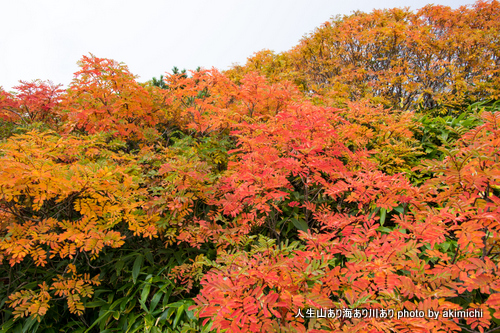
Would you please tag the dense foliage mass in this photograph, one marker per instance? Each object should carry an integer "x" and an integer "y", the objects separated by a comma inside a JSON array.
[
  {"x": 435, "y": 57},
  {"x": 356, "y": 173}
]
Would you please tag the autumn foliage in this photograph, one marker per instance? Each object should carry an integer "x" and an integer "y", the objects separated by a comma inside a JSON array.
[
  {"x": 433, "y": 57},
  {"x": 34, "y": 102},
  {"x": 293, "y": 194}
]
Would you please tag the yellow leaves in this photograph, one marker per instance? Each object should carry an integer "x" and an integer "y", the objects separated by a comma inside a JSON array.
[
  {"x": 15, "y": 249},
  {"x": 385, "y": 58},
  {"x": 104, "y": 173},
  {"x": 74, "y": 304},
  {"x": 65, "y": 197},
  {"x": 29, "y": 302},
  {"x": 73, "y": 287},
  {"x": 88, "y": 207},
  {"x": 143, "y": 225},
  {"x": 39, "y": 255},
  {"x": 65, "y": 250}
]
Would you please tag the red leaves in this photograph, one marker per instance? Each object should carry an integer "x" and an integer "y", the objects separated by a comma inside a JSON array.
[
  {"x": 325, "y": 182},
  {"x": 410, "y": 264},
  {"x": 35, "y": 101},
  {"x": 250, "y": 294}
]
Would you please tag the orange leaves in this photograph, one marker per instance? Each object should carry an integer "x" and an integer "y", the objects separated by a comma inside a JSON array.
[
  {"x": 479, "y": 317},
  {"x": 74, "y": 287},
  {"x": 36, "y": 303},
  {"x": 386, "y": 133},
  {"x": 370, "y": 187},
  {"x": 208, "y": 102},
  {"x": 494, "y": 303},
  {"x": 299, "y": 142},
  {"x": 432, "y": 57},
  {"x": 203, "y": 102},
  {"x": 261, "y": 99},
  {"x": 257, "y": 157},
  {"x": 31, "y": 303},
  {"x": 63, "y": 197},
  {"x": 251, "y": 294},
  {"x": 104, "y": 96}
]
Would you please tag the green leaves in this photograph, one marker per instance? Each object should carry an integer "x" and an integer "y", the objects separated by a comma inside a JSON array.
[
  {"x": 142, "y": 297},
  {"x": 227, "y": 202},
  {"x": 383, "y": 214},
  {"x": 300, "y": 224},
  {"x": 136, "y": 269}
]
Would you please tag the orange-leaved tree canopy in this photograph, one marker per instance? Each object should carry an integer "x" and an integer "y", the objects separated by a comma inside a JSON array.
[
  {"x": 61, "y": 198},
  {"x": 432, "y": 57},
  {"x": 105, "y": 96},
  {"x": 285, "y": 201}
]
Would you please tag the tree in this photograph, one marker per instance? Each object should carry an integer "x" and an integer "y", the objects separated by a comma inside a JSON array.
[
  {"x": 34, "y": 101},
  {"x": 104, "y": 96}
]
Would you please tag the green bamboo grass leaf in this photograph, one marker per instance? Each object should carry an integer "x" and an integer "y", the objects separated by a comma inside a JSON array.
[
  {"x": 180, "y": 311},
  {"x": 145, "y": 293},
  {"x": 300, "y": 224},
  {"x": 383, "y": 214},
  {"x": 136, "y": 269}
]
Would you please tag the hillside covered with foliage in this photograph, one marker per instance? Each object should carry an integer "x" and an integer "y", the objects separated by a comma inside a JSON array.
[{"x": 350, "y": 184}]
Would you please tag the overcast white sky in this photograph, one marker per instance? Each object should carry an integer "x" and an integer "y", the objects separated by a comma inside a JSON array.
[{"x": 43, "y": 39}]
